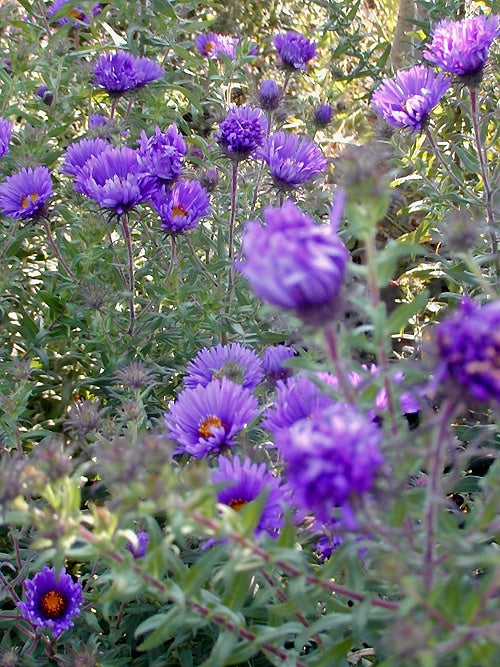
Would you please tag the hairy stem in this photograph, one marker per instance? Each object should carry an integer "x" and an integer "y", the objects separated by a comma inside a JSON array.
[{"x": 128, "y": 240}]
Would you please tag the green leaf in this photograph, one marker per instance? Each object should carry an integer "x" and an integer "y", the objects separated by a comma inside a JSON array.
[{"x": 400, "y": 317}]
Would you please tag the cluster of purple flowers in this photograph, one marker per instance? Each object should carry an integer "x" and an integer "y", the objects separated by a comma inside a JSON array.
[
  {"x": 215, "y": 45},
  {"x": 120, "y": 71},
  {"x": 75, "y": 12},
  {"x": 162, "y": 155}
]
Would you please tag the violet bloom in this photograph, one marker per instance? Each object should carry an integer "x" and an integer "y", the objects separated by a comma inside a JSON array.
[
  {"x": 162, "y": 155},
  {"x": 272, "y": 362},
  {"x": 331, "y": 458},
  {"x": 24, "y": 195},
  {"x": 294, "y": 50},
  {"x": 181, "y": 207},
  {"x": 97, "y": 120},
  {"x": 5, "y": 134},
  {"x": 468, "y": 350},
  {"x": 206, "y": 420},
  {"x": 461, "y": 47},
  {"x": 242, "y": 131},
  {"x": 45, "y": 95},
  {"x": 292, "y": 160},
  {"x": 293, "y": 263},
  {"x": 52, "y": 600},
  {"x": 79, "y": 152},
  {"x": 74, "y": 12},
  {"x": 234, "y": 362},
  {"x": 243, "y": 482},
  {"x": 138, "y": 549},
  {"x": 323, "y": 115},
  {"x": 120, "y": 71},
  {"x": 213, "y": 45},
  {"x": 114, "y": 180},
  {"x": 407, "y": 100},
  {"x": 269, "y": 95}
]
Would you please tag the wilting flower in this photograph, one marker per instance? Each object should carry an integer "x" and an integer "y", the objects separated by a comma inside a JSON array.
[
  {"x": 79, "y": 152},
  {"x": 461, "y": 47},
  {"x": 293, "y": 263},
  {"x": 468, "y": 350},
  {"x": 209, "y": 179},
  {"x": 119, "y": 71},
  {"x": 206, "y": 420},
  {"x": 75, "y": 12},
  {"x": 272, "y": 362},
  {"x": 136, "y": 375},
  {"x": 52, "y": 600},
  {"x": 213, "y": 45},
  {"x": 294, "y": 50},
  {"x": 5, "y": 134},
  {"x": 234, "y": 362},
  {"x": 181, "y": 207},
  {"x": 323, "y": 115},
  {"x": 407, "y": 100},
  {"x": 269, "y": 95},
  {"x": 162, "y": 155},
  {"x": 245, "y": 481},
  {"x": 331, "y": 458},
  {"x": 114, "y": 180},
  {"x": 242, "y": 131},
  {"x": 292, "y": 160},
  {"x": 45, "y": 95},
  {"x": 138, "y": 549},
  {"x": 24, "y": 194}
]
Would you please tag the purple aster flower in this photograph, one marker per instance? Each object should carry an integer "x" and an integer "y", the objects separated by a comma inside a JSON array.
[
  {"x": 206, "y": 420},
  {"x": 323, "y": 115},
  {"x": 79, "y": 152},
  {"x": 234, "y": 362},
  {"x": 293, "y": 263},
  {"x": 331, "y": 458},
  {"x": 244, "y": 482},
  {"x": 297, "y": 398},
  {"x": 408, "y": 400},
  {"x": 114, "y": 180},
  {"x": 5, "y": 134},
  {"x": 162, "y": 155},
  {"x": 120, "y": 71},
  {"x": 407, "y": 100},
  {"x": 269, "y": 95},
  {"x": 138, "y": 549},
  {"x": 25, "y": 194},
  {"x": 213, "y": 45},
  {"x": 97, "y": 120},
  {"x": 468, "y": 349},
  {"x": 45, "y": 95},
  {"x": 461, "y": 47},
  {"x": 272, "y": 362},
  {"x": 181, "y": 207},
  {"x": 294, "y": 50},
  {"x": 74, "y": 12},
  {"x": 52, "y": 600},
  {"x": 292, "y": 160},
  {"x": 242, "y": 131}
]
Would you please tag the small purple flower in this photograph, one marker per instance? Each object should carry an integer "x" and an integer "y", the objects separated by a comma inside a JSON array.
[
  {"x": 181, "y": 207},
  {"x": 331, "y": 458},
  {"x": 74, "y": 12},
  {"x": 294, "y": 50},
  {"x": 45, "y": 95},
  {"x": 5, "y": 134},
  {"x": 323, "y": 115},
  {"x": 293, "y": 263},
  {"x": 162, "y": 155},
  {"x": 234, "y": 362},
  {"x": 79, "y": 152},
  {"x": 119, "y": 71},
  {"x": 25, "y": 194},
  {"x": 468, "y": 350},
  {"x": 213, "y": 45},
  {"x": 269, "y": 95},
  {"x": 244, "y": 482},
  {"x": 461, "y": 47},
  {"x": 242, "y": 131},
  {"x": 292, "y": 160},
  {"x": 52, "y": 600},
  {"x": 407, "y": 100},
  {"x": 206, "y": 420},
  {"x": 97, "y": 120},
  {"x": 138, "y": 550},
  {"x": 114, "y": 180},
  {"x": 272, "y": 362}
]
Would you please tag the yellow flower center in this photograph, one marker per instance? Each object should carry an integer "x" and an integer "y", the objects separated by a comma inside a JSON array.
[
  {"x": 53, "y": 604},
  {"x": 179, "y": 210},
  {"x": 207, "y": 424},
  {"x": 76, "y": 14},
  {"x": 29, "y": 199},
  {"x": 209, "y": 47},
  {"x": 237, "y": 504}
]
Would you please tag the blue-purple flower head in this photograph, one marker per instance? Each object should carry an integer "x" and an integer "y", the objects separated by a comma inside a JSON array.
[
  {"x": 5, "y": 134},
  {"x": 323, "y": 115},
  {"x": 468, "y": 350},
  {"x": 114, "y": 180},
  {"x": 292, "y": 160},
  {"x": 97, "y": 120},
  {"x": 206, "y": 420},
  {"x": 162, "y": 155},
  {"x": 461, "y": 47},
  {"x": 139, "y": 546},
  {"x": 25, "y": 194},
  {"x": 242, "y": 482},
  {"x": 120, "y": 71},
  {"x": 269, "y": 95},
  {"x": 52, "y": 600},
  {"x": 407, "y": 100},
  {"x": 79, "y": 152},
  {"x": 293, "y": 263},
  {"x": 214, "y": 45},
  {"x": 46, "y": 95},
  {"x": 182, "y": 206},
  {"x": 74, "y": 12},
  {"x": 331, "y": 458},
  {"x": 272, "y": 362},
  {"x": 294, "y": 50},
  {"x": 242, "y": 131},
  {"x": 234, "y": 362}
]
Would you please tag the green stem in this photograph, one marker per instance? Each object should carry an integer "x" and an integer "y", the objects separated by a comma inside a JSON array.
[
  {"x": 54, "y": 247},
  {"x": 126, "y": 233}
]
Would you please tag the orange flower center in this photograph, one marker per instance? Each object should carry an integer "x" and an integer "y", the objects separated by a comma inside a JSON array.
[
  {"x": 209, "y": 47},
  {"x": 76, "y": 14},
  {"x": 29, "y": 199},
  {"x": 237, "y": 504},
  {"x": 207, "y": 424},
  {"x": 179, "y": 210},
  {"x": 53, "y": 604}
]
